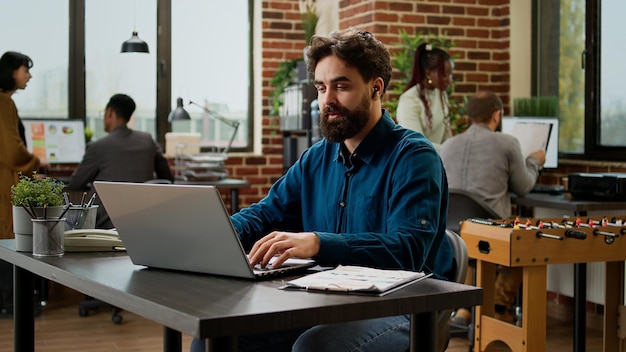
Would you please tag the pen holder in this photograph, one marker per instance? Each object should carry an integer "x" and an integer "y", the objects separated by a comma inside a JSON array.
[
  {"x": 48, "y": 237},
  {"x": 79, "y": 217},
  {"x": 23, "y": 226}
]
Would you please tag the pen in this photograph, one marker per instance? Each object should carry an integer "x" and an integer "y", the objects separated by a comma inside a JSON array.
[
  {"x": 93, "y": 197},
  {"x": 60, "y": 217},
  {"x": 82, "y": 200}
]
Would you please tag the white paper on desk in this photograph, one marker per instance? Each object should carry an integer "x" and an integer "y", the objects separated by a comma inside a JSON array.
[
  {"x": 356, "y": 279},
  {"x": 532, "y": 136}
]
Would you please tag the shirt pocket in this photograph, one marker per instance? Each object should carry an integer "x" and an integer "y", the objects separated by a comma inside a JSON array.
[{"x": 370, "y": 213}]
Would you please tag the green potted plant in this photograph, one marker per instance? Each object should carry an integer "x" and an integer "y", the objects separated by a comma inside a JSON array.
[{"x": 34, "y": 197}]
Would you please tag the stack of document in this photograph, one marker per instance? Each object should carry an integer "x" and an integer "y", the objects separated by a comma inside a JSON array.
[{"x": 357, "y": 279}]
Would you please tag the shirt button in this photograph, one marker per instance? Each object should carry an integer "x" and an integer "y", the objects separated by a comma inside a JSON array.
[
  {"x": 342, "y": 204},
  {"x": 423, "y": 222},
  {"x": 348, "y": 173}
]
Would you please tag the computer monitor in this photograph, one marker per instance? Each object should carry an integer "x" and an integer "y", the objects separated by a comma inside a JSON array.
[
  {"x": 58, "y": 140},
  {"x": 513, "y": 125}
]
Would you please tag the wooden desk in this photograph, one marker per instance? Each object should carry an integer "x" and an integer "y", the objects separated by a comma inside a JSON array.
[
  {"x": 220, "y": 308},
  {"x": 577, "y": 207},
  {"x": 227, "y": 183}
]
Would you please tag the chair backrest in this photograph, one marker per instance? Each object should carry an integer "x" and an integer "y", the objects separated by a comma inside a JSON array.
[
  {"x": 463, "y": 205},
  {"x": 460, "y": 262}
]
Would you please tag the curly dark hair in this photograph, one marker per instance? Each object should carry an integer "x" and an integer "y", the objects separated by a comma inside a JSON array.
[{"x": 358, "y": 48}]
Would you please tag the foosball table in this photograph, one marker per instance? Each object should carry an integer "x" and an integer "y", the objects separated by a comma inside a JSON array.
[{"x": 533, "y": 244}]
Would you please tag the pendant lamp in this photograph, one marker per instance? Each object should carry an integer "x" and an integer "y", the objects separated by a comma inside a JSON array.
[{"x": 134, "y": 44}]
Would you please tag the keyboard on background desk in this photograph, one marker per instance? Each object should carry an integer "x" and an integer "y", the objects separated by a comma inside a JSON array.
[{"x": 550, "y": 189}]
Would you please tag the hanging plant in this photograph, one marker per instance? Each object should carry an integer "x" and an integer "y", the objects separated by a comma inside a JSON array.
[
  {"x": 283, "y": 77},
  {"x": 286, "y": 73}
]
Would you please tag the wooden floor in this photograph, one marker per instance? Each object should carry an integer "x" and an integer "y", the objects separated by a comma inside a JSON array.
[{"x": 60, "y": 328}]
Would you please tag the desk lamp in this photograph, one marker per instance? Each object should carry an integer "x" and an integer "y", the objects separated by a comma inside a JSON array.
[{"x": 181, "y": 114}]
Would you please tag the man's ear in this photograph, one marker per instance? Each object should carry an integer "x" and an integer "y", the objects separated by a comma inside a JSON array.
[
  {"x": 496, "y": 117},
  {"x": 378, "y": 87}
]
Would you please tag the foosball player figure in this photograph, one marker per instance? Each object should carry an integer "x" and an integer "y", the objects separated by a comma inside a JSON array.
[{"x": 516, "y": 223}]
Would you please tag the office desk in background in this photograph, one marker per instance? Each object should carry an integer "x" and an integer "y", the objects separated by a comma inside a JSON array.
[
  {"x": 234, "y": 185},
  {"x": 220, "y": 308},
  {"x": 558, "y": 206},
  {"x": 227, "y": 183},
  {"x": 563, "y": 202}
]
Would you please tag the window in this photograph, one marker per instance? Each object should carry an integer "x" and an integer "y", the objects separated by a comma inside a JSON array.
[
  {"x": 612, "y": 97},
  {"x": 585, "y": 49},
  {"x": 108, "y": 72},
  {"x": 42, "y": 35},
  {"x": 211, "y": 66},
  {"x": 75, "y": 47}
]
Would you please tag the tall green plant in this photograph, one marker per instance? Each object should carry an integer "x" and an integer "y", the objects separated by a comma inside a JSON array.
[{"x": 309, "y": 17}]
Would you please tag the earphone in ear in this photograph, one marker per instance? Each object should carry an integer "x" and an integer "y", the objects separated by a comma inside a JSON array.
[{"x": 374, "y": 92}]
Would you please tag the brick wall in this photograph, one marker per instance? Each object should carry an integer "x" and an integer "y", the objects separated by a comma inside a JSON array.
[{"x": 480, "y": 29}]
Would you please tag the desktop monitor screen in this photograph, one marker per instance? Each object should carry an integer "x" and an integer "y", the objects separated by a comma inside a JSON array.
[
  {"x": 532, "y": 133},
  {"x": 58, "y": 140}
]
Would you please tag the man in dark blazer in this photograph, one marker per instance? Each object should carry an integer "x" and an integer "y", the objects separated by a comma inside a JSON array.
[{"x": 123, "y": 155}]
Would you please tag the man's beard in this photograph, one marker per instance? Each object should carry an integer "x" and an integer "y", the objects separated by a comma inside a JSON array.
[{"x": 346, "y": 126}]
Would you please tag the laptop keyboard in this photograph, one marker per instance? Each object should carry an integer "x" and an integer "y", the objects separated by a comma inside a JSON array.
[{"x": 290, "y": 265}]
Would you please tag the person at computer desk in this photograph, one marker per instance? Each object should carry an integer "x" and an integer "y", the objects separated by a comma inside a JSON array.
[
  {"x": 490, "y": 164},
  {"x": 123, "y": 155},
  {"x": 353, "y": 197}
]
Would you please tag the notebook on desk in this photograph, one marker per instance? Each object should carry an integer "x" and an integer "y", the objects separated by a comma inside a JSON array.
[{"x": 180, "y": 227}]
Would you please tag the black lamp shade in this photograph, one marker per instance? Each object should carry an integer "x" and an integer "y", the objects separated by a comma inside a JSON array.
[
  {"x": 135, "y": 45},
  {"x": 179, "y": 113}
]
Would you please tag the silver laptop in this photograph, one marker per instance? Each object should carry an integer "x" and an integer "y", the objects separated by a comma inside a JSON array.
[{"x": 180, "y": 227}]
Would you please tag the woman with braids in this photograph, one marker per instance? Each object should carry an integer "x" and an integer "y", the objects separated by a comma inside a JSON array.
[{"x": 423, "y": 107}]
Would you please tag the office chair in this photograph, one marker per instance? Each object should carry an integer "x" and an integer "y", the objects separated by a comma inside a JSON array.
[
  {"x": 459, "y": 265},
  {"x": 463, "y": 205}
]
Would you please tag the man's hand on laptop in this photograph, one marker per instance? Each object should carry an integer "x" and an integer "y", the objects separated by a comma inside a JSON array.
[{"x": 284, "y": 245}]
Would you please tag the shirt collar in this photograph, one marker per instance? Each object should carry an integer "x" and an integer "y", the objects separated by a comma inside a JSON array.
[{"x": 372, "y": 142}]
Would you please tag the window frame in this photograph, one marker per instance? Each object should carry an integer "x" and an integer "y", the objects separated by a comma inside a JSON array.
[
  {"x": 590, "y": 61},
  {"x": 593, "y": 109}
]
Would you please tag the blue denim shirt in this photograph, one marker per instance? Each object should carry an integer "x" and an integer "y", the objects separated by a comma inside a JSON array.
[{"x": 384, "y": 206}]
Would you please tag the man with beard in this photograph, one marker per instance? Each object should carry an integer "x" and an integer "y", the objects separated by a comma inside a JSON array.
[
  {"x": 371, "y": 193},
  {"x": 491, "y": 165}
]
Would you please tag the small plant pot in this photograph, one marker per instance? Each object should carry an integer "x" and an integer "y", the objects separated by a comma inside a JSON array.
[{"x": 23, "y": 226}]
